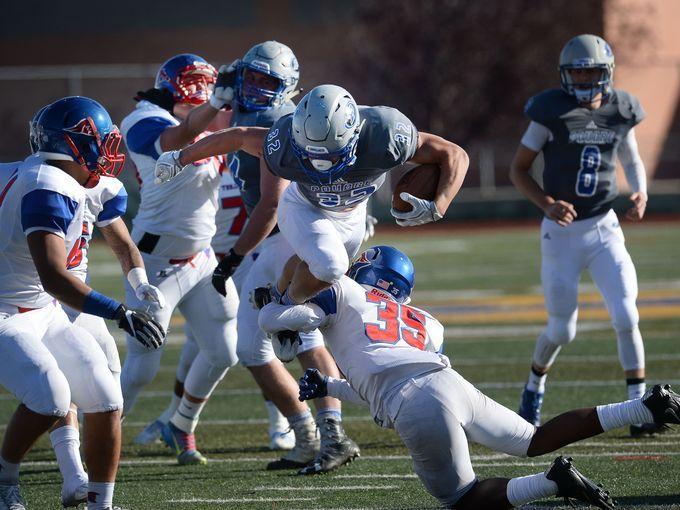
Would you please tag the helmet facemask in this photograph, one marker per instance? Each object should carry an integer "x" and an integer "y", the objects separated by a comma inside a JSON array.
[
  {"x": 99, "y": 155},
  {"x": 252, "y": 97},
  {"x": 194, "y": 84},
  {"x": 586, "y": 92}
]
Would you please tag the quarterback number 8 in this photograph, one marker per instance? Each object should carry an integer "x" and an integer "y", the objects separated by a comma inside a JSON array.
[{"x": 586, "y": 179}]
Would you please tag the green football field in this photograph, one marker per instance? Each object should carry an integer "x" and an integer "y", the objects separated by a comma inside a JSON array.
[{"x": 483, "y": 283}]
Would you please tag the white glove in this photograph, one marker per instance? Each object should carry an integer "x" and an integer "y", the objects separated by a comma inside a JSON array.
[
  {"x": 371, "y": 222},
  {"x": 167, "y": 167},
  {"x": 143, "y": 289},
  {"x": 424, "y": 211},
  {"x": 223, "y": 92}
]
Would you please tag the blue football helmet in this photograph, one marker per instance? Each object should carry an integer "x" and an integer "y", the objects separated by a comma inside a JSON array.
[
  {"x": 188, "y": 77},
  {"x": 386, "y": 270},
  {"x": 273, "y": 59},
  {"x": 79, "y": 129},
  {"x": 32, "y": 130}
]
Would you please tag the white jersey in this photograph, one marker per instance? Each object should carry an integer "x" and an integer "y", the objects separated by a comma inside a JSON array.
[
  {"x": 104, "y": 204},
  {"x": 183, "y": 208},
  {"x": 231, "y": 212},
  {"x": 34, "y": 196},
  {"x": 377, "y": 343}
]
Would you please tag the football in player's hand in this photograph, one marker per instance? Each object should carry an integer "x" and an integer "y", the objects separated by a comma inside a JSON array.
[{"x": 420, "y": 182}]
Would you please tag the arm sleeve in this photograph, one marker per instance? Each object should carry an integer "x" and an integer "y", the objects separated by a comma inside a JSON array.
[
  {"x": 44, "y": 209},
  {"x": 340, "y": 389},
  {"x": 536, "y": 136},
  {"x": 143, "y": 137},
  {"x": 631, "y": 161},
  {"x": 113, "y": 209},
  {"x": 275, "y": 317}
]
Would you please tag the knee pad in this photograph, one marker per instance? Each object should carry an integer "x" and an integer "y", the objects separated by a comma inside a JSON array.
[
  {"x": 50, "y": 395},
  {"x": 329, "y": 267},
  {"x": 101, "y": 394},
  {"x": 203, "y": 377},
  {"x": 561, "y": 330},
  {"x": 624, "y": 315}
]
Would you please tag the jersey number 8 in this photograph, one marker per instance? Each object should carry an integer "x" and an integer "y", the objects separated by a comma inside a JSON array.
[{"x": 586, "y": 179}]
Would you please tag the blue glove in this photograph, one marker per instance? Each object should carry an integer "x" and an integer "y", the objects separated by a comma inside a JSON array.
[{"x": 313, "y": 385}]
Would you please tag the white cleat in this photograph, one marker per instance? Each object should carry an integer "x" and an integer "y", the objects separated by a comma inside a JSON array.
[
  {"x": 73, "y": 496},
  {"x": 151, "y": 433},
  {"x": 10, "y": 498},
  {"x": 282, "y": 439}
]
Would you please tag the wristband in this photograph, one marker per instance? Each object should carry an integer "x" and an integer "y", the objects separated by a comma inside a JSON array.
[
  {"x": 136, "y": 277},
  {"x": 100, "y": 305},
  {"x": 235, "y": 256}
]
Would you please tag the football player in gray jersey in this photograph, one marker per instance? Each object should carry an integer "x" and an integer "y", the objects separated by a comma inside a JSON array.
[{"x": 581, "y": 129}]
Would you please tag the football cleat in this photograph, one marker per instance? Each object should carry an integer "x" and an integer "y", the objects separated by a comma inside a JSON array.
[
  {"x": 305, "y": 450},
  {"x": 73, "y": 496},
  {"x": 647, "y": 429},
  {"x": 530, "y": 406},
  {"x": 571, "y": 484},
  {"x": 282, "y": 440},
  {"x": 664, "y": 404},
  {"x": 151, "y": 433},
  {"x": 10, "y": 498},
  {"x": 336, "y": 449},
  {"x": 184, "y": 445}
]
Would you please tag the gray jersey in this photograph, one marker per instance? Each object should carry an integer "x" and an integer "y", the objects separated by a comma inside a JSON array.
[
  {"x": 387, "y": 139},
  {"x": 580, "y": 157},
  {"x": 244, "y": 167}
]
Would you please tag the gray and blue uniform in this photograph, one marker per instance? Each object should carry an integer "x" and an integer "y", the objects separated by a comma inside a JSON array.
[
  {"x": 387, "y": 139},
  {"x": 580, "y": 164}
]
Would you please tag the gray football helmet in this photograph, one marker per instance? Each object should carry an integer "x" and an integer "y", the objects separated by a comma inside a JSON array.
[
  {"x": 587, "y": 51},
  {"x": 325, "y": 132},
  {"x": 276, "y": 60}
]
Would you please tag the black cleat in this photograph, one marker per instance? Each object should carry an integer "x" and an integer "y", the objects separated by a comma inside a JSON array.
[
  {"x": 336, "y": 449},
  {"x": 664, "y": 404},
  {"x": 647, "y": 429},
  {"x": 573, "y": 485}
]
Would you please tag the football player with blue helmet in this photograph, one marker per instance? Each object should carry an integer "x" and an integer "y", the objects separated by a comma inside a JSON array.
[
  {"x": 50, "y": 362},
  {"x": 581, "y": 128},
  {"x": 389, "y": 354}
]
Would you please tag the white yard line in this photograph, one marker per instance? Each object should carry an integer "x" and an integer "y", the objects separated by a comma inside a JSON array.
[
  {"x": 268, "y": 488},
  {"x": 237, "y": 500}
]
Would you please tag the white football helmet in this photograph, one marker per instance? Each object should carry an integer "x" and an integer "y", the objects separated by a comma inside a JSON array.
[{"x": 587, "y": 51}]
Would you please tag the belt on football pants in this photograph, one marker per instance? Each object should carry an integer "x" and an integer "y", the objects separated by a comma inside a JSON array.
[
  {"x": 148, "y": 242},
  {"x": 13, "y": 309}
]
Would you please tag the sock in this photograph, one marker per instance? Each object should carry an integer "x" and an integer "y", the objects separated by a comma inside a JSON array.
[
  {"x": 66, "y": 444},
  {"x": 170, "y": 410},
  {"x": 613, "y": 416},
  {"x": 536, "y": 382},
  {"x": 335, "y": 414},
  {"x": 524, "y": 489},
  {"x": 636, "y": 387},
  {"x": 9, "y": 473},
  {"x": 277, "y": 421},
  {"x": 186, "y": 416},
  {"x": 298, "y": 419},
  {"x": 100, "y": 495}
]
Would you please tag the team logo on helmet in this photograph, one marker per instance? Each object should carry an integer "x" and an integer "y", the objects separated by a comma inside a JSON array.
[
  {"x": 351, "y": 115},
  {"x": 83, "y": 127}
]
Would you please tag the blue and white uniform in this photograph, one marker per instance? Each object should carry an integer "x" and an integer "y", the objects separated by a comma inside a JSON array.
[
  {"x": 48, "y": 362},
  {"x": 104, "y": 204},
  {"x": 388, "y": 354},
  {"x": 173, "y": 230}
]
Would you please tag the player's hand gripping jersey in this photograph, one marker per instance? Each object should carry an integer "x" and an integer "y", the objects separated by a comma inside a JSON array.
[
  {"x": 377, "y": 343},
  {"x": 581, "y": 149},
  {"x": 387, "y": 139},
  {"x": 34, "y": 196},
  {"x": 184, "y": 208}
]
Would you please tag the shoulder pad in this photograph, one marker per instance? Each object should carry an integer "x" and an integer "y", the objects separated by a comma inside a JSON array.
[
  {"x": 548, "y": 104},
  {"x": 389, "y": 138},
  {"x": 629, "y": 106}
]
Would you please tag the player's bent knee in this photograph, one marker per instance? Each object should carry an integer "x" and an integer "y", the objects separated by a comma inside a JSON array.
[
  {"x": 625, "y": 316},
  {"x": 50, "y": 395},
  {"x": 100, "y": 391},
  {"x": 330, "y": 269},
  {"x": 561, "y": 330}
]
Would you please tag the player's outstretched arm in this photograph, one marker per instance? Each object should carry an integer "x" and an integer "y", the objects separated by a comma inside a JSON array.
[
  {"x": 453, "y": 164},
  {"x": 118, "y": 238},
  {"x": 49, "y": 256},
  {"x": 249, "y": 139},
  {"x": 557, "y": 210}
]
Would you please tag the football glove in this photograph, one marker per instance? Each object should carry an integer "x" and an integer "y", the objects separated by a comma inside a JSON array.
[
  {"x": 159, "y": 97},
  {"x": 144, "y": 291},
  {"x": 285, "y": 343},
  {"x": 424, "y": 211},
  {"x": 313, "y": 385},
  {"x": 224, "y": 270},
  {"x": 167, "y": 167},
  {"x": 223, "y": 92},
  {"x": 371, "y": 222},
  {"x": 141, "y": 326}
]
